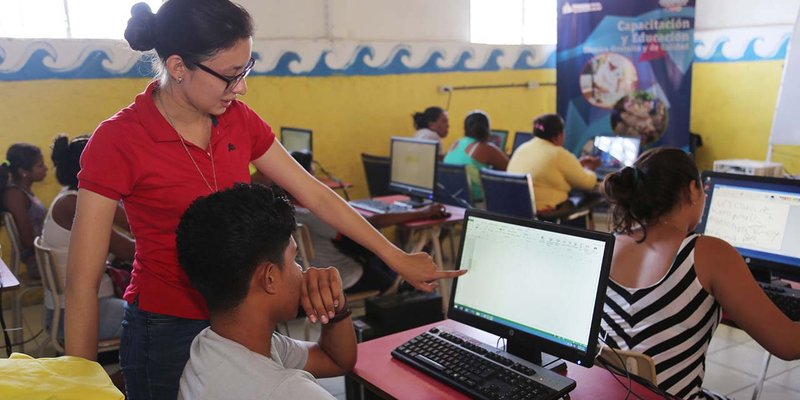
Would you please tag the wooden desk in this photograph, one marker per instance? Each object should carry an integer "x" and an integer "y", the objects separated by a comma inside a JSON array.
[
  {"x": 429, "y": 231},
  {"x": 7, "y": 278},
  {"x": 392, "y": 379}
]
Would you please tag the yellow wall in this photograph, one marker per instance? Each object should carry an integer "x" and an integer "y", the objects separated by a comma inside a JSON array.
[
  {"x": 732, "y": 108},
  {"x": 348, "y": 115}
]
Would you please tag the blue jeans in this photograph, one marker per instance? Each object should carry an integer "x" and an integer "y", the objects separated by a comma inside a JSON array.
[{"x": 154, "y": 349}]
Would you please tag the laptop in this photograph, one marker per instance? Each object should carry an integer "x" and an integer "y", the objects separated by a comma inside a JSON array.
[{"x": 615, "y": 152}]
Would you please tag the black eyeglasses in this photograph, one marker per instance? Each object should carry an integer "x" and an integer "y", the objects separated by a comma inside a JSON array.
[{"x": 230, "y": 83}]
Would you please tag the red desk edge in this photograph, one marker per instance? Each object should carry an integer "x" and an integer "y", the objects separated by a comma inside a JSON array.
[{"x": 389, "y": 378}]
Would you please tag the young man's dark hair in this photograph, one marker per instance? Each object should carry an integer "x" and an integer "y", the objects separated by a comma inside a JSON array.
[{"x": 220, "y": 247}]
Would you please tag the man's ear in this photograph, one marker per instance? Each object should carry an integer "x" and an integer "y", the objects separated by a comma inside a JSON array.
[{"x": 268, "y": 275}]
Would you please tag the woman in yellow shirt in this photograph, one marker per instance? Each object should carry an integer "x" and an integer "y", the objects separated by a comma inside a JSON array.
[{"x": 555, "y": 171}]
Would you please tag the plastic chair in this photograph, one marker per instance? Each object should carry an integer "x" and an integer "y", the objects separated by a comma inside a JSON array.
[
  {"x": 507, "y": 193},
  {"x": 52, "y": 282},
  {"x": 26, "y": 283},
  {"x": 377, "y": 171},
  {"x": 635, "y": 363},
  {"x": 452, "y": 185}
]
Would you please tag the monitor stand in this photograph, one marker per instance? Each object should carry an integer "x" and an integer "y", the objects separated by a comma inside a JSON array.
[
  {"x": 414, "y": 202},
  {"x": 529, "y": 352}
]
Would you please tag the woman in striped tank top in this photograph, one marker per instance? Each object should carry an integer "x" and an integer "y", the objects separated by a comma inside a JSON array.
[{"x": 668, "y": 284}]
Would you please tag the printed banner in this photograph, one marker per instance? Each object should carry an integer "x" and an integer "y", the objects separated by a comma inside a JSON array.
[{"x": 624, "y": 68}]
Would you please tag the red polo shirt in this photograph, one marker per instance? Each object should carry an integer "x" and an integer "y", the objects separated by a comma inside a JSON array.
[{"x": 138, "y": 157}]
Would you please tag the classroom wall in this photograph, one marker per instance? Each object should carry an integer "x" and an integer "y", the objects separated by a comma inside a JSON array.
[{"x": 355, "y": 70}]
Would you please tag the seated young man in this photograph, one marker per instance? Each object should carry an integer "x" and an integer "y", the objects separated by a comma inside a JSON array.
[{"x": 237, "y": 250}]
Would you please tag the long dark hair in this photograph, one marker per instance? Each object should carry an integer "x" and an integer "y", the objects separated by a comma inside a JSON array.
[
  {"x": 431, "y": 114},
  {"x": 67, "y": 159},
  {"x": 20, "y": 156},
  {"x": 195, "y": 30},
  {"x": 651, "y": 188},
  {"x": 476, "y": 126}
]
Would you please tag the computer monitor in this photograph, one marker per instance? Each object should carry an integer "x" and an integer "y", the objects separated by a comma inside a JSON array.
[
  {"x": 499, "y": 138},
  {"x": 539, "y": 285},
  {"x": 412, "y": 169},
  {"x": 760, "y": 216},
  {"x": 520, "y": 138},
  {"x": 615, "y": 152},
  {"x": 297, "y": 140}
]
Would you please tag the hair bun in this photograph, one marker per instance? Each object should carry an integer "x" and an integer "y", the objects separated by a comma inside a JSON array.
[
  {"x": 140, "y": 32},
  {"x": 60, "y": 150}
]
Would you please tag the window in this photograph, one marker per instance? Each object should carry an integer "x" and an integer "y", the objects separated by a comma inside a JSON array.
[
  {"x": 70, "y": 19},
  {"x": 513, "y": 21}
]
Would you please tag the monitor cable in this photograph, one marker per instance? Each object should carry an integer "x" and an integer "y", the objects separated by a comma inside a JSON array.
[
  {"x": 454, "y": 196},
  {"x": 334, "y": 179}
]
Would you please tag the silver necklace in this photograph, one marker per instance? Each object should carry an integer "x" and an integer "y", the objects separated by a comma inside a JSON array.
[{"x": 186, "y": 148}]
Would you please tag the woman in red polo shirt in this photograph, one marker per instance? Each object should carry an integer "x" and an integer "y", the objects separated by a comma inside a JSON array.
[{"x": 184, "y": 137}]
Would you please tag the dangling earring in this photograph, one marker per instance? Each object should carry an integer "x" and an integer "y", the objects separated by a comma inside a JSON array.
[{"x": 180, "y": 79}]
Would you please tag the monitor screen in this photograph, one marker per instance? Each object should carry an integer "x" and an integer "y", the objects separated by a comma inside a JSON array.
[
  {"x": 760, "y": 216},
  {"x": 540, "y": 285},
  {"x": 616, "y": 152},
  {"x": 413, "y": 167},
  {"x": 296, "y": 139},
  {"x": 499, "y": 138},
  {"x": 520, "y": 138}
]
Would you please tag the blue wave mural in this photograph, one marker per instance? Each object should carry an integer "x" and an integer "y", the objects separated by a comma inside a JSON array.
[{"x": 36, "y": 60}]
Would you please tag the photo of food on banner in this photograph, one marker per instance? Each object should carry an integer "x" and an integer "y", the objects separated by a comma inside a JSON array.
[{"x": 610, "y": 81}]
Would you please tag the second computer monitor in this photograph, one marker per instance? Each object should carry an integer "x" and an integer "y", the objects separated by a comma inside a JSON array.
[
  {"x": 499, "y": 138},
  {"x": 539, "y": 285},
  {"x": 760, "y": 216},
  {"x": 520, "y": 138},
  {"x": 296, "y": 139},
  {"x": 413, "y": 169}
]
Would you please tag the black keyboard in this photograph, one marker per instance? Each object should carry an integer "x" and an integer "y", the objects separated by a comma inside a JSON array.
[
  {"x": 480, "y": 370},
  {"x": 377, "y": 206},
  {"x": 786, "y": 298}
]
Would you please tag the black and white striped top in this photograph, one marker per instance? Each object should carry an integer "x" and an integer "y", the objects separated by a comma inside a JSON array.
[{"x": 671, "y": 321}]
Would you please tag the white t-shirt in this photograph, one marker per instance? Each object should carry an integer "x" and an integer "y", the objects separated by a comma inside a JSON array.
[
  {"x": 219, "y": 368},
  {"x": 427, "y": 134}
]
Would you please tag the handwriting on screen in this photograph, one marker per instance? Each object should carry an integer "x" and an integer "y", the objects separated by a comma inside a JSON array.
[{"x": 747, "y": 223}]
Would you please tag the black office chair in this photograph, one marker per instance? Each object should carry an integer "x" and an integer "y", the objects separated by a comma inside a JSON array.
[
  {"x": 452, "y": 185},
  {"x": 507, "y": 193},
  {"x": 377, "y": 171},
  {"x": 512, "y": 194}
]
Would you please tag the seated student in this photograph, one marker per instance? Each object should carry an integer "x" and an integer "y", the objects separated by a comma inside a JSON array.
[
  {"x": 58, "y": 229},
  {"x": 668, "y": 284},
  {"x": 476, "y": 151},
  {"x": 237, "y": 250},
  {"x": 555, "y": 171},
  {"x": 360, "y": 270},
  {"x": 432, "y": 124},
  {"x": 23, "y": 166}
]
